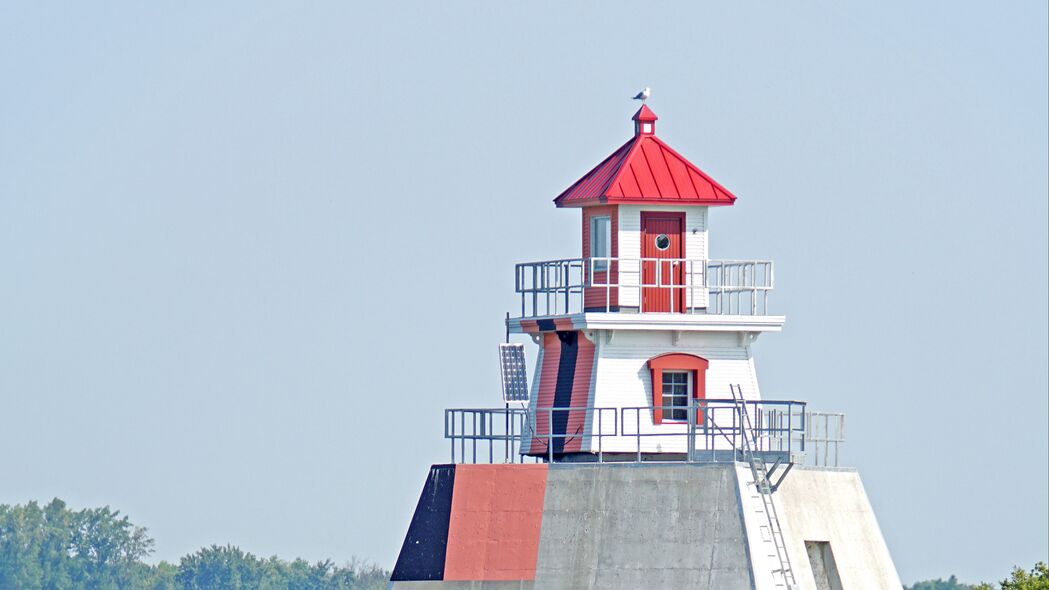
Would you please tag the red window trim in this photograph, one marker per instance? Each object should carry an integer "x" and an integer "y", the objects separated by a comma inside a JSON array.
[{"x": 677, "y": 361}]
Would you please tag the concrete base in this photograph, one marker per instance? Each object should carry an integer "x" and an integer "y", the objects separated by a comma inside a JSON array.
[
  {"x": 831, "y": 506},
  {"x": 670, "y": 525}
]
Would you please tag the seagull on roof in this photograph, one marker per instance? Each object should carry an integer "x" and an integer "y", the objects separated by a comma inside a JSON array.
[{"x": 644, "y": 94}]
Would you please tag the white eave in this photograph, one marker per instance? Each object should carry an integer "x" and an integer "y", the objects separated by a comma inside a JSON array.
[{"x": 660, "y": 321}]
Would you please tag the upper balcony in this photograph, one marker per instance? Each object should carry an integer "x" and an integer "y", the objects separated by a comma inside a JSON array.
[{"x": 674, "y": 293}]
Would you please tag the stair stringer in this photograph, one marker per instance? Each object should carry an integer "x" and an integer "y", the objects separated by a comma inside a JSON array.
[{"x": 760, "y": 545}]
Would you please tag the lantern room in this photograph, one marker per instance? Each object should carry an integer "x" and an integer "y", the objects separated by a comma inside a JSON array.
[
  {"x": 644, "y": 213},
  {"x": 643, "y": 326}
]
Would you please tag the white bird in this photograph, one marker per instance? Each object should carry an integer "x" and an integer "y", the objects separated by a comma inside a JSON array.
[{"x": 644, "y": 94}]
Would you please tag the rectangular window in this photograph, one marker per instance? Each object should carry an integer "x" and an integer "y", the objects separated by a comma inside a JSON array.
[
  {"x": 676, "y": 388},
  {"x": 600, "y": 241}
]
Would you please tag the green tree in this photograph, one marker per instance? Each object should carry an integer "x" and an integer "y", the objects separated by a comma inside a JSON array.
[
  {"x": 950, "y": 583},
  {"x": 55, "y": 548},
  {"x": 230, "y": 568},
  {"x": 218, "y": 567},
  {"x": 1037, "y": 579}
]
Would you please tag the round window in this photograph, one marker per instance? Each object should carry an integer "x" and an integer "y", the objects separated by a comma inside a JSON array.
[{"x": 662, "y": 241}]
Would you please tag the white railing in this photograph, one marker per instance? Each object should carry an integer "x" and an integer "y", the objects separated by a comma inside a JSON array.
[
  {"x": 674, "y": 285},
  {"x": 826, "y": 434}
]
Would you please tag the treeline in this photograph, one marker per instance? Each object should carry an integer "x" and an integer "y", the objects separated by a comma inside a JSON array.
[
  {"x": 55, "y": 548},
  {"x": 1036, "y": 579}
]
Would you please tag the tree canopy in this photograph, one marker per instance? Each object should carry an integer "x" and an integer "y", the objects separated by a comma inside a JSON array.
[
  {"x": 55, "y": 548},
  {"x": 1036, "y": 579}
]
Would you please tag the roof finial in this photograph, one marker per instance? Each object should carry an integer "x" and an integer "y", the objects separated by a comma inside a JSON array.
[
  {"x": 644, "y": 94},
  {"x": 644, "y": 121}
]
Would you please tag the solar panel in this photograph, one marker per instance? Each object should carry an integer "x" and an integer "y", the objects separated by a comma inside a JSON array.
[{"x": 512, "y": 367}]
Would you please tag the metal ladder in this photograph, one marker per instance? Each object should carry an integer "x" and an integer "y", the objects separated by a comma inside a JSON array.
[{"x": 765, "y": 488}]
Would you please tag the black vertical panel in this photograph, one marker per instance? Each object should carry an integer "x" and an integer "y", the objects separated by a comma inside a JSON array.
[
  {"x": 563, "y": 389},
  {"x": 422, "y": 554}
]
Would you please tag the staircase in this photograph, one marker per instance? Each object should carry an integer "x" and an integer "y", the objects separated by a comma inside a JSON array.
[{"x": 771, "y": 532}]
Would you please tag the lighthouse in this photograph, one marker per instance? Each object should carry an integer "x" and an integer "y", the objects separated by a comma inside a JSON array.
[{"x": 643, "y": 453}]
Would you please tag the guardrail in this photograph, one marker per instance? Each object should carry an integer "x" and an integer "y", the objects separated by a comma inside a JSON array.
[
  {"x": 777, "y": 427},
  {"x": 826, "y": 434},
  {"x": 498, "y": 428},
  {"x": 675, "y": 285}
]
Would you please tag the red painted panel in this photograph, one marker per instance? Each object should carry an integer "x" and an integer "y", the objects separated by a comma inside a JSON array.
[
  {"x": 626, "y": 181},
  {"x": 654, "y": 224},
  {"x": 657, "y": 163},
  {"x": 682, "y": 179},
  {"x": 529, "y": 326},
  {"x": 646, "y": 182},
  {"x": 563, "y": 324},
  {"x": 496, "y": 518}
]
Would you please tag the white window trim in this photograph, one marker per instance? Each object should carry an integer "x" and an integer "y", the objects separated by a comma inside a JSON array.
[
  {"x": 600, "y": 266},
  {"x": 689, "y": 389}
]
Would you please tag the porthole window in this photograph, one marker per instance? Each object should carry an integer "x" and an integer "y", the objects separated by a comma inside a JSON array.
[{"x": 662, "y": 241}]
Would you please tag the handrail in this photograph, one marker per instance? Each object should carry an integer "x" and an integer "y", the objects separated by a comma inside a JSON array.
[
  {"x": 572, "y": 285},
  {"x": 598, "y": 431},
  {"x": 780, "y": 427}
]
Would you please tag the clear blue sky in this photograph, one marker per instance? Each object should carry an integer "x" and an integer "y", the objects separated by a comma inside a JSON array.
[{"x": 251, "y": 251}]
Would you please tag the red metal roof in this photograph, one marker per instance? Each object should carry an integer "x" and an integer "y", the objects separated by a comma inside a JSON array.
[
  {"x": 644, "y": 114},
  {"x": 645, "y": 170}
]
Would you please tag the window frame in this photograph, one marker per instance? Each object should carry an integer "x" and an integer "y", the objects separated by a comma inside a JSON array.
[
  {"x": 600, "y": 265},
  {"x": 671, "y": 408},
  {"x": 677, "y": 361}
]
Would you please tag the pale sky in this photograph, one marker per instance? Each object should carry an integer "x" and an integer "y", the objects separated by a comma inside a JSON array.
[{"x": 251, "y": 251}]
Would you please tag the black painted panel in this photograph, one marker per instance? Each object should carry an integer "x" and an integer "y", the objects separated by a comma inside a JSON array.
[
  {"x": 425, "y": 545},
  {"x": 563, "y": 389}
]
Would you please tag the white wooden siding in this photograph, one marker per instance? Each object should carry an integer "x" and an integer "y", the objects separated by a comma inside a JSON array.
[
  {"x": 623, "y": 380},
  {"x": 630, "y": 246}
]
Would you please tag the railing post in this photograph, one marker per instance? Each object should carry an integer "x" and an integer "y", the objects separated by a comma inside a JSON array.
[
  {"x": 608, "y": 286},
  {"x": 600, "y": 435},
  {"x": 535, "y": 291},
  {"x": 550, "y": 435},
  {"x": 691, "y": 416},
  {"x": 637, "y": 431},
  {"x": 451, "y": 439},
  {"x": 565, "y": 272}
]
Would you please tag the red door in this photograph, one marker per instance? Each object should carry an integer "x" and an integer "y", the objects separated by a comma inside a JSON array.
[{"x": 662, "y": 236}]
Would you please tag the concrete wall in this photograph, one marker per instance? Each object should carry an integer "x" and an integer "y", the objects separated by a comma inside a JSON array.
[
  {"x": 832, "y": 506},
  {"x": 628, "y": 526},
  {"x": 624, "y": 526},
  {"x": 642, "y": 526}
]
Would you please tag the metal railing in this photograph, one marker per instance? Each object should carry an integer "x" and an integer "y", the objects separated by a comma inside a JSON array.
[
  {"x": 573, "y": 285},
  {"x": 776, "y": 426},
  {"x": 826, "y": 434},
  {"x": 713, "y": 431},
  {"x": 494, "y": 429},
  {"x": 739, "y": 287},
  {"x": 599, "y": 418}
]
